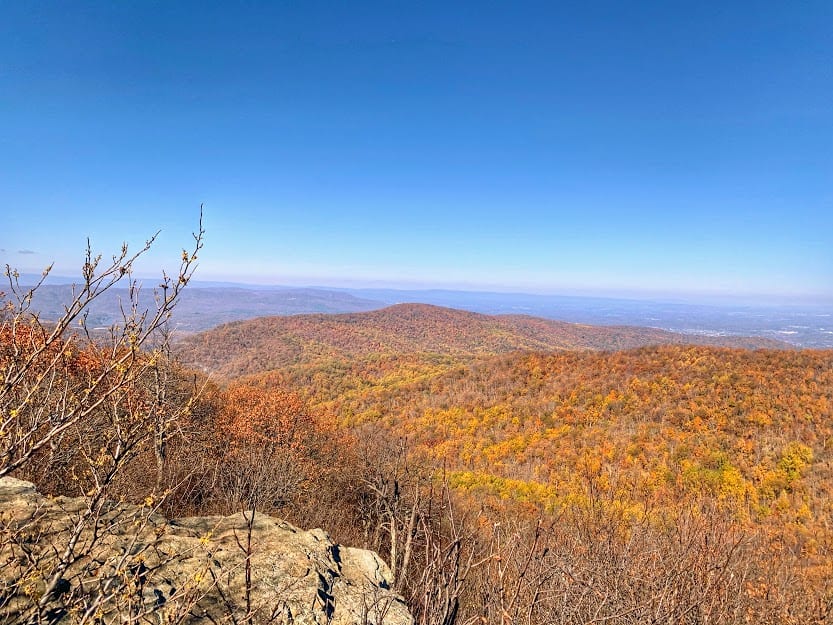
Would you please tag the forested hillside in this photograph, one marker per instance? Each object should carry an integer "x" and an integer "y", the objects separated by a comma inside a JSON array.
[
  {"x": 724, "y": 452},
  {"x": 502, "y": 480},
  {"x": 752, "y": 428},
  {"x": 510, "y": 313},
  {"x": 274, "y": 342}
]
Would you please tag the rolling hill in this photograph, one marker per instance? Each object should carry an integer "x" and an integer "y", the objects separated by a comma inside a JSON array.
[{"x": 268, "y": 343}]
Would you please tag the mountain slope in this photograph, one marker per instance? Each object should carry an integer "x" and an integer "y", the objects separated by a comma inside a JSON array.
[
  {"x": 267, "y": 343},
  {"x": 666, "y": 423}
]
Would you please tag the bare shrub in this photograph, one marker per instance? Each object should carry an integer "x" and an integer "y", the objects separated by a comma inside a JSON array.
[{"x": 77, "y": 406}]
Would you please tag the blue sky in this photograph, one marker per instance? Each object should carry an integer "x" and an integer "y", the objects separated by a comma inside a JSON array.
[{"x": 608, "y": 147}]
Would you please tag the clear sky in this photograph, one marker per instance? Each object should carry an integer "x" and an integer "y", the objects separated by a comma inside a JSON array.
[{"x": 553, "y": 147}]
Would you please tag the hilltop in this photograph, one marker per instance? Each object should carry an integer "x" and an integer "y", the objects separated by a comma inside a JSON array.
[{"x": 267, "y": 343}]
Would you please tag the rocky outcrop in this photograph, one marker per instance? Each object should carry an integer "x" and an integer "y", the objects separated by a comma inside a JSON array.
[{"x": 128, "y": 563}]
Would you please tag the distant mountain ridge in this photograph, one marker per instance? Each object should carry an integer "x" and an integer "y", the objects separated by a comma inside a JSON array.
[
  {"x": 204, "y": 307},
  {"x": 267, "y": 343}
]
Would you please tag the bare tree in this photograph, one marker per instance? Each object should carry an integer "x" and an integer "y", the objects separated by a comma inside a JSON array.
[{"x": 76, "y": 407}]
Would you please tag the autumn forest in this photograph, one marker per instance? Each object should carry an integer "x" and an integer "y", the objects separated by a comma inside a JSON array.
[
  {"x": 508, "y": 469},
  {"x": 536, "y": 424},
  {"x": 416, "y": 313}
]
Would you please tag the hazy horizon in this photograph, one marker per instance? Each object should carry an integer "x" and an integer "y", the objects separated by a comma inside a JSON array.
[{"x": 687, "y": 297}]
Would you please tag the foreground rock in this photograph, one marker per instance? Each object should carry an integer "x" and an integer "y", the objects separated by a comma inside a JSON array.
[{"x": 139, "y": 567}]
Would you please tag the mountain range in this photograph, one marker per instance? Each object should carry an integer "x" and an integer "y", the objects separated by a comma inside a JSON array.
[{"x": 205, "y": 305}]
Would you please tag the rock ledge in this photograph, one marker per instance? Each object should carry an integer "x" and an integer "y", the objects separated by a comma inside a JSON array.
[{"x": 189, "y": 570}]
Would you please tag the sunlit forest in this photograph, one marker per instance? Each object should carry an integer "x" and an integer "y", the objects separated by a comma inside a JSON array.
[
  {"x": 416, "y": 313},
  {"x": 660, "y": 453},
  {"x": 608, "y": 475}
]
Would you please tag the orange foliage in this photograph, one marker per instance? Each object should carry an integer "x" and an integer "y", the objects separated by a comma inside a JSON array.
[{"x": 256, "y": 415}]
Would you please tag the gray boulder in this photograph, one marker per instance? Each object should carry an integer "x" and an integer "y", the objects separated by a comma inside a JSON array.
[{"x": 128, "y": 564}]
